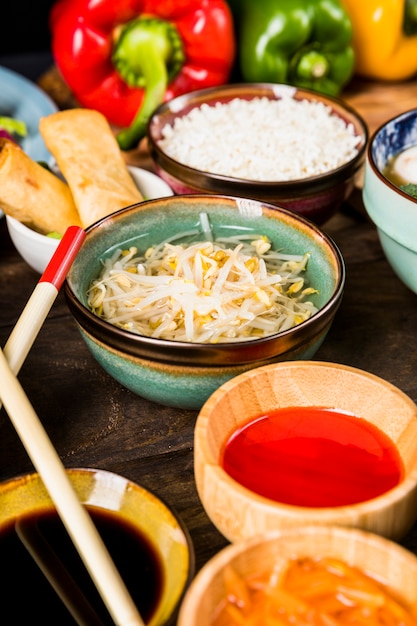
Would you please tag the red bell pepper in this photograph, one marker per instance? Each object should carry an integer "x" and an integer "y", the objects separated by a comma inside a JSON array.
[{"x": 124, "y": 57}]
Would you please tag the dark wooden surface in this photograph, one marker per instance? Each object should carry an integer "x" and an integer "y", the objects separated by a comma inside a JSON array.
[{"x": 94, "y": 422}]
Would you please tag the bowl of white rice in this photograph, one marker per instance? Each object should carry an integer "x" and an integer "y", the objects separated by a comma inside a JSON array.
[
  {"x": 177, "y": 295},
  {"x": 276, "y": 143}
]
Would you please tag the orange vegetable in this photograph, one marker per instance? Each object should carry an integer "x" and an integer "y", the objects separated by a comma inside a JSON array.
[{"x": 318, "y": 592}]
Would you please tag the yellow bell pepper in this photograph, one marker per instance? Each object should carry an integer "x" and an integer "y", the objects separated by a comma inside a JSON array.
[{"x": 384, "y": 38}]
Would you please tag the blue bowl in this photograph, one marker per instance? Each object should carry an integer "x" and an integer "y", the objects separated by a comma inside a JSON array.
[
  {"x": 183, "y": 374},
  {"x": 393, "y": 211}
]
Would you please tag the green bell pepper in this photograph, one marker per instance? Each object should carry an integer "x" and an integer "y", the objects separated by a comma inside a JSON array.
[{"x": 306, "y": 43}]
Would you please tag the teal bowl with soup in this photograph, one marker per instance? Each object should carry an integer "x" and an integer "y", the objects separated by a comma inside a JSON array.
[
  {"x": 184, "y": 373},
  {"x": 390, "y": 192}
]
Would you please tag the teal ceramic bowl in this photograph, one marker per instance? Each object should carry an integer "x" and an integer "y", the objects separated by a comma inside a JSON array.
[
  {"x": 393, "y": 211},
  {"x": 185, "y": 374}
]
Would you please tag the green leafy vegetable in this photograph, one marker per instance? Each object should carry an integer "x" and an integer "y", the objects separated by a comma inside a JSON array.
[
  {"x": 14, "y": 127},
  {"x": 410, "y": 189}
]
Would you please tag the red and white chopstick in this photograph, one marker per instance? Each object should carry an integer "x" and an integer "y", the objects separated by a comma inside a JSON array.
[
  {"x": 43, "y": 296},
  {"x": 45, "y": 458}
]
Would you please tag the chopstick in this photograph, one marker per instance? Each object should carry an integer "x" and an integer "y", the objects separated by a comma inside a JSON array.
[
  {"x": 45, "y": 458},
  {"x": 74, "y": 515},
  {"x": 43, "y": 296},
  {"x": 60, "y": 579}
]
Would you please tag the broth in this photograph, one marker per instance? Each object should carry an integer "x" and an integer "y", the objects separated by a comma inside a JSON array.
[{"x": 401, "y": 169}]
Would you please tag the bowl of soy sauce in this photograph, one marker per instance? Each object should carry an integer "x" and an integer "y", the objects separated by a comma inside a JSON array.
[{"x": 147, "y": 541}]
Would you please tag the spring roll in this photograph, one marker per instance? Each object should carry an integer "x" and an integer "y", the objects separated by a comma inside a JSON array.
[
  {"x": 91, "y": 162},
  {"x": 32, "y": 194}
]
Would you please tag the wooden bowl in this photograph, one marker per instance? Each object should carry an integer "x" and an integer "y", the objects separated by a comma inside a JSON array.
[
  {"x": 239, "y": 512},
  {"x": 380, "y": 558}
]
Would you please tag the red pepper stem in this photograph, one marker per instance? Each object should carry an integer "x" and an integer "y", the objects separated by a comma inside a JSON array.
[
  {"x": 156, "y": 77},
  {"x": 148, "y": 54}
]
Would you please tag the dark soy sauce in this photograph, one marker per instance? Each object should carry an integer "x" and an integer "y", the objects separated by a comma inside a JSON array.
[{"x": 26, "y": 594}]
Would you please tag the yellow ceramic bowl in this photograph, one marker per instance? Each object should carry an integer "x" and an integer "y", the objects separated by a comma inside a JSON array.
[
  {"x": 239, "y": 512},
  {"x": 130, "y": 504},
  {"x": 378, "y": 557}
]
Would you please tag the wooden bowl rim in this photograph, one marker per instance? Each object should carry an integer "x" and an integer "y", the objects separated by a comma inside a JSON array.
[
  {"x": 333, "y": 535},
  {"x": 381, "y": 503}
]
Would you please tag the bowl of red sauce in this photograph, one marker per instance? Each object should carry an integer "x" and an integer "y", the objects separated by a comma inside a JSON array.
[
  {"x": 306, "y": 442},
  {"x": 322, "y": 575}
]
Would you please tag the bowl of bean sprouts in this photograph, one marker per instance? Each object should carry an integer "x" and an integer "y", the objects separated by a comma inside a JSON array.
[{"x": 175, "y": 296}]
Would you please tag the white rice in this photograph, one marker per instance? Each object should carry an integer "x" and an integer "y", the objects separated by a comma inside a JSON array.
[{"x": 261, "y": 139}]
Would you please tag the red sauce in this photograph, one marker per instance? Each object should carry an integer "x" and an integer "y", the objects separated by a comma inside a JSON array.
[{"x": 313, "y": 457}]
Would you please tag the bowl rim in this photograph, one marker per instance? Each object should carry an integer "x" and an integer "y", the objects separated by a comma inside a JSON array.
[
  {"x": 27, "y": 477},
  {"x": 24, "y": 479},
  {"x": 213, "y": 568},
  {"x": 199, "y": 178},
  {"x": 370, "y": 153},
  {"x": 157, "y": 349},
  {"x": 23, "y": 230}
]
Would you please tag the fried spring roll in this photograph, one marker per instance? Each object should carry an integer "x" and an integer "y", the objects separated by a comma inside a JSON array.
[
  {"x": 32, "y": 194},
  {"x": 91, "y": 162}
]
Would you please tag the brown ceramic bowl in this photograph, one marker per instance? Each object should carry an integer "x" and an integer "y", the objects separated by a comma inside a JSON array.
[
  {"x": 380, "y": 558},
  {"x": 104, "y": 493},
  {"x": 180, "y": 373},
  {"x": 239, "y": 512},
  {"x": 316, "y": 197}
]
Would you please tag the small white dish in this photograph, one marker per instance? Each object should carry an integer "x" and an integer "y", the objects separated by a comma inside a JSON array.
[{"x": 37, "y": 249}]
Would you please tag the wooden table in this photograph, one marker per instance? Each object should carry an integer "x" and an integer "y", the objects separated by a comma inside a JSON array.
[{"x": 94, "y": 422}]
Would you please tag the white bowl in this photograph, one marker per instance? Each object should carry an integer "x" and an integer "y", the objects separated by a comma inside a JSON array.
[{"x": 37, "y": 249}]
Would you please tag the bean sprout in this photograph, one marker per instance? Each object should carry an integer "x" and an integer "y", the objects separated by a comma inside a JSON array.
[{"x": 223, "y": 289}]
